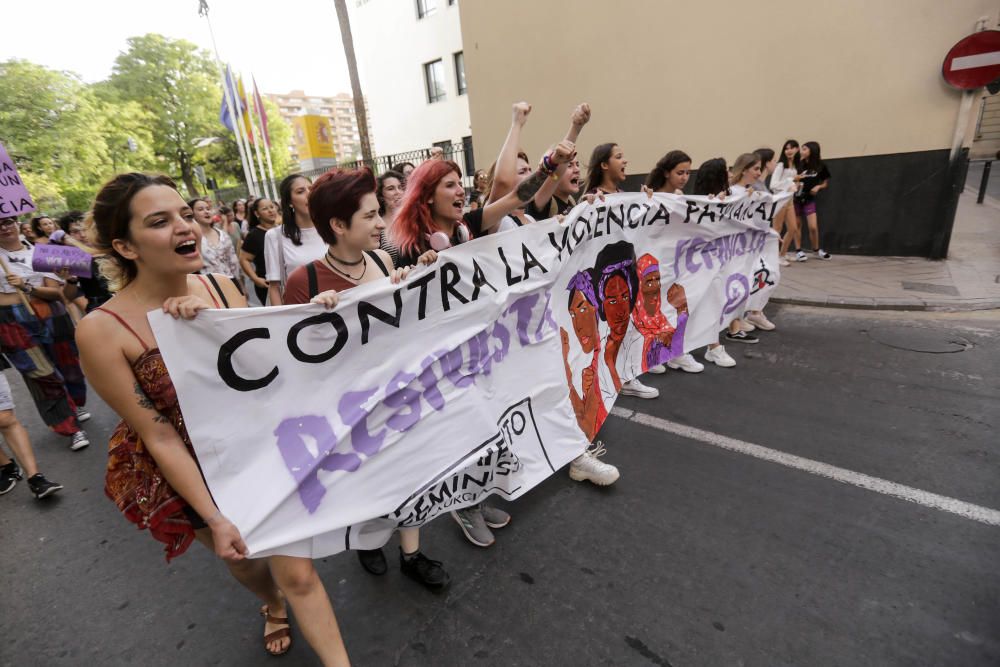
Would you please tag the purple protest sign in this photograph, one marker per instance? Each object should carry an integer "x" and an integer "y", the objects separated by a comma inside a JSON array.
[
  {"x": 14, "y": 197},
  {"x": 51, "y": 258}
]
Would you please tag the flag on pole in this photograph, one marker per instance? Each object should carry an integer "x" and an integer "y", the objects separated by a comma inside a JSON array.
[
  {"x": 261, "y": 113},
  {"x": 226, "y": 116},
  {"x": 244, "y": 107}
]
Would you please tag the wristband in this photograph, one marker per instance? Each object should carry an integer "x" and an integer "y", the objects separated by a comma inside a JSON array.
[{"x": 547, "y": 165}]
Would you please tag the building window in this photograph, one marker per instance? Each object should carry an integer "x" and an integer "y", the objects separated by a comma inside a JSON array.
[
  {"x": 425, "y": 8},
  {"x": 470, "y": 160},
  {"x": 434, "y": 77},
  {"x": 460, "y": 72}
]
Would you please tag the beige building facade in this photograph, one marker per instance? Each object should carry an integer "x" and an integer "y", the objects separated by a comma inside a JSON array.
[{"x": 861, "y": 77}]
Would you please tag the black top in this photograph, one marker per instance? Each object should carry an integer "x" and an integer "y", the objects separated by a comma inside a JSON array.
[
  {"x": 95, "y": 288},
  {"x": 253, "y": 244},
  {"x": 812, "y": 178},
  {"x": 474, "y": 221},
  {"x": 555, "y": 207}
]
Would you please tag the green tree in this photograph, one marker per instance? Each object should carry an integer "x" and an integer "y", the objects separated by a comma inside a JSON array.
[
  {"x": 123, "y": 120},
  {"x": 51, "y": 124},
  {"x": 177, "y": 83}
]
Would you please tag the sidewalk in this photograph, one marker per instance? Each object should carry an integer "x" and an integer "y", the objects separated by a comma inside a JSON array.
[{"x": 968, "y": 280}]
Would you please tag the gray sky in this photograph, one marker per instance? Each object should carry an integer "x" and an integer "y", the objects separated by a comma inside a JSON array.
[{"x": 286, "y": 44}]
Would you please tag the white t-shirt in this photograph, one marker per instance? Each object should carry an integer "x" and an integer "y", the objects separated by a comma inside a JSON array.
[
  {"x": 507, "y": 223},
  {"x": 783, "y": 180},
  {"x": 277, "y": 246},
  {"x": 19, "y": 262}
]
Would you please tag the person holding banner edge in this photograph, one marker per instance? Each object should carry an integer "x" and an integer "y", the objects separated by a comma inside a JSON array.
[
  {"x": 605, "y": 176},
  {"x": 671, "y": 174},
  {"x": 151, "y": 240},
  {"x": 712, "y": 180},
  {"x": 744, "y": 174},
  {"x": 431, "y": 219},
  {"x": 345, "y": 211}
]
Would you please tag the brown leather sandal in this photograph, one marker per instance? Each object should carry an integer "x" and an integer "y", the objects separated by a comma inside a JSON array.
[{"x": 277, "y": 634}]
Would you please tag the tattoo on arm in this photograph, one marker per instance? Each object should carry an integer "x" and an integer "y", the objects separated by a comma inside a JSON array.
[
  {"x": 144, "y": 402},
  {"x": 529, "y": 186}
]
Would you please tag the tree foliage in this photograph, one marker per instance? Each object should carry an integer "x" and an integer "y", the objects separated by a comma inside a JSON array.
[
  {"x": 176, "y": 82},
  {"x": 67, "y": 137}
]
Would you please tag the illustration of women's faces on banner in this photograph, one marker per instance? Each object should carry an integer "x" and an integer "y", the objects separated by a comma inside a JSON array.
[
  {"x": 663, "y": 341},
  {"x": 584, "y": 383},
  {"x": 606, "y": 346}
]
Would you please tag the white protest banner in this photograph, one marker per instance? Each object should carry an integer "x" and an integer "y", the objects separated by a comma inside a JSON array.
[
  {"x": 14, "y": 197},
  {"x": 482, "y": 374}
]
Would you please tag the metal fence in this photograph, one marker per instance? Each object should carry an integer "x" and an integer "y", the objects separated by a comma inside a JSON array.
[{"x": 460, "y": 153}]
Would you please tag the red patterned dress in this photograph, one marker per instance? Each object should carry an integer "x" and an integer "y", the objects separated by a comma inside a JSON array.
[{"x": 133, "y": 479}]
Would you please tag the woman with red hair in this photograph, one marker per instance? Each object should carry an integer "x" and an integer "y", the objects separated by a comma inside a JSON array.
[{"x": 431, "y": 218}]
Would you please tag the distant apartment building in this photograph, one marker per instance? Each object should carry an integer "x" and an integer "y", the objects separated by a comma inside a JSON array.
[
  {"x": 412, "y": 69},
  {"x": 339, "y": 114}
]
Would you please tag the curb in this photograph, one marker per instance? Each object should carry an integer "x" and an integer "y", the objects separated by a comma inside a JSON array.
[{"x": 906, "y": 303}]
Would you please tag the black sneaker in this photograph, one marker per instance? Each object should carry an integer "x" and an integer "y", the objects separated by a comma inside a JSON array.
[
  {"x": 373, "y": 560},
  {"x": 424, "y": 570},
  {"x": 741, "y": 337},
  {"x": 9, "y": 474},
  {"x": 42, "y": 487}
]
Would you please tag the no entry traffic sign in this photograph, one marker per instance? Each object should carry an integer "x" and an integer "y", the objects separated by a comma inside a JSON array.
[{"x": 974, "y": 61}]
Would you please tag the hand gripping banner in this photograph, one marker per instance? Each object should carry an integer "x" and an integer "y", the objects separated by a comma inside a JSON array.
[{"x": 484, "y": 373}]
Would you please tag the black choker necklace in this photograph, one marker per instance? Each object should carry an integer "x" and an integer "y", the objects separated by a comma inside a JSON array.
[
  {"x": 332, "y": 256},
  {"x": 344, "y": 273}
]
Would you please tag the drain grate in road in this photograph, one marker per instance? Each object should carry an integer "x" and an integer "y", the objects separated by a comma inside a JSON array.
[
  {"x": 919, "y": 339},
  {"x": 929, "y": 288}
]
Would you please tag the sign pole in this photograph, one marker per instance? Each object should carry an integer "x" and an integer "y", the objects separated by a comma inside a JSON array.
[{"x": 962, "y": 123}]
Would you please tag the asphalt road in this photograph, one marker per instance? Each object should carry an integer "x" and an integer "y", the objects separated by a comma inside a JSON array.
[{"x": 699, "y": 555}]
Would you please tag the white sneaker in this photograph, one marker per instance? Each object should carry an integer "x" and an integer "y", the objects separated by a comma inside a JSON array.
[
  {"x": 686, "y": 363},
  {"x": 586, "y": 467},
  {"x": 784, "y": 262},
  {"x": 657, "y": 370},
  {"x": 760, "y": 321},
  {"x": 82, "y": 415},
  {"x": 746, "y": 326},
  {"x": 639, "y": 390},
  {"x": 79, "y": 441},
  {"x": 719, "y": 357},
  {"x": 800, "y": 256},
  {"x": 823, "y": 254}
]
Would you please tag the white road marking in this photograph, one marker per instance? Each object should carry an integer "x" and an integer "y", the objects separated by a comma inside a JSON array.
[
  {"x": 926, "y": 498},
  {"x": 978, "y": 60}
]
